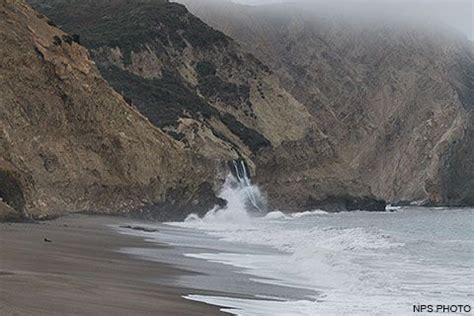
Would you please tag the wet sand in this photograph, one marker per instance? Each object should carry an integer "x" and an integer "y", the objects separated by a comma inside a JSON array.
[{"x": 80, "y": 272}]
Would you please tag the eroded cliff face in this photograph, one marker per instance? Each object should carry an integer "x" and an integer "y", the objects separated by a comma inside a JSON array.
[
  {"x": 346, "y": 115},
  {"x": 70, "y": 143},
  {"x": 189, "y": 79},
  {"x": 394, "y": 99},
  {"x": 201, "y": 88}
]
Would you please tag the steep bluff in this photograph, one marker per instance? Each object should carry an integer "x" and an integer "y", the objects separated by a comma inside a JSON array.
[
  {"x": 70, "y": 143},
  {"x": 189, "y": 79},
  {"x": 394, "y": 96},
  {"x": 200, "y": 87},
  {"x": 346, "y": 114}
]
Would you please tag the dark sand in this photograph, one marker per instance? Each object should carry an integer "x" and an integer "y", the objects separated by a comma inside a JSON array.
[{"x": 80, "y": 273}]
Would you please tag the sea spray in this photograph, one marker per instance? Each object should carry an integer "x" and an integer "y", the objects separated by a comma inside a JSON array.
[
  {"x": 252, "y": 192},
  {"x": 244, "y": 199},
  {"x": 356, "y": 263},
  {"x": 351, "y": 262}
]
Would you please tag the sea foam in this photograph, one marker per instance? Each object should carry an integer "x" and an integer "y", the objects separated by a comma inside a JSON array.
[{"x": 358, "y": 262}]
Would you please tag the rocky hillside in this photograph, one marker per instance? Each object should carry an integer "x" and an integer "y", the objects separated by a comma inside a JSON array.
[
  {"x": 70, "y": 143},
  {"x": 189, "y": 79},
  {"x": 200, "y": 87},
  {"x": 393, "y": 95},
  {"x": 342, "y": 115}
]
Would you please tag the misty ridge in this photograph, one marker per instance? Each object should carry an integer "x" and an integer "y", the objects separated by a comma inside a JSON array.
[{"x": 451, "y": 17}]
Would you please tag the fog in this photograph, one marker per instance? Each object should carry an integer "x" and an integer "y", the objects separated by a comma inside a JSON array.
[{"x": 457, "y": 14}]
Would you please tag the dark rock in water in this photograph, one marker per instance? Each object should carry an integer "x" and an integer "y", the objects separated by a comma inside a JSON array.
[
  {"x": 366, "y": 204},
  {"x": 178, "y": 208},
  {"x": 347, "y": 204},
  {"x": 139, "y": 228}
]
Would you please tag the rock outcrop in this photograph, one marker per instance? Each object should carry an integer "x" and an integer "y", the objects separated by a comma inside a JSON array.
[{"x": 70, "y": 143}]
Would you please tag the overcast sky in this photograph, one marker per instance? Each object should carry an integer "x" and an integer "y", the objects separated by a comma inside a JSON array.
[
  {"x": 256, "y": 1},
  {"x": 456, "y": 13}
]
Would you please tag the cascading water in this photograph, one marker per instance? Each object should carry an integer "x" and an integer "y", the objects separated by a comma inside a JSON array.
[
  {"x": 243, "y": 198},
  {"x": 253, "y": 194}
]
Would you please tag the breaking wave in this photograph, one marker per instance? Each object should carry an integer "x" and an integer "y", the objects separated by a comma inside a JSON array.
[{"x": 358, "y": 261}]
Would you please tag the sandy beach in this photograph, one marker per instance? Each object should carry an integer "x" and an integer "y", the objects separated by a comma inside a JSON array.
[{"x": 80, "y": 272}]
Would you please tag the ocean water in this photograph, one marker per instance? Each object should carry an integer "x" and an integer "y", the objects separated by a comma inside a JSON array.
[{"x": 316, "y": 263}]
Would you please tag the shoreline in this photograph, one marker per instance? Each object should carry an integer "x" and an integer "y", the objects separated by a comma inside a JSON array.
[{"x": 80, "y": 272}]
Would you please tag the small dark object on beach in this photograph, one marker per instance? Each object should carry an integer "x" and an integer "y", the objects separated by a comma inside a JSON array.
[
  {"x": 143, "y": 229},
  {"x": 47, "y": 240}
]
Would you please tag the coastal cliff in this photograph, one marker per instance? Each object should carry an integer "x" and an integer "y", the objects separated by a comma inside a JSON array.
[
  {"x": 393, "y": 94},
  {"x": 200, "y": 87},
  {"x": 70, "y": 143},
  {"x": 340, "y": 116},
  {"x": 190, "y": 80}
]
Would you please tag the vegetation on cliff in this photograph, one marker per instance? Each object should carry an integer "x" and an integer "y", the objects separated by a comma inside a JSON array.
[
  {"x": 392, "y": 94},
  {"x": 70, "y": 143},
  {"x": 335, "y": 121}
]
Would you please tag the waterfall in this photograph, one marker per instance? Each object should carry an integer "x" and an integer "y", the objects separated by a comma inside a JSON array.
[
  {"x": 244, "y": 182},
  {"x": 244, "y": 200}
]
